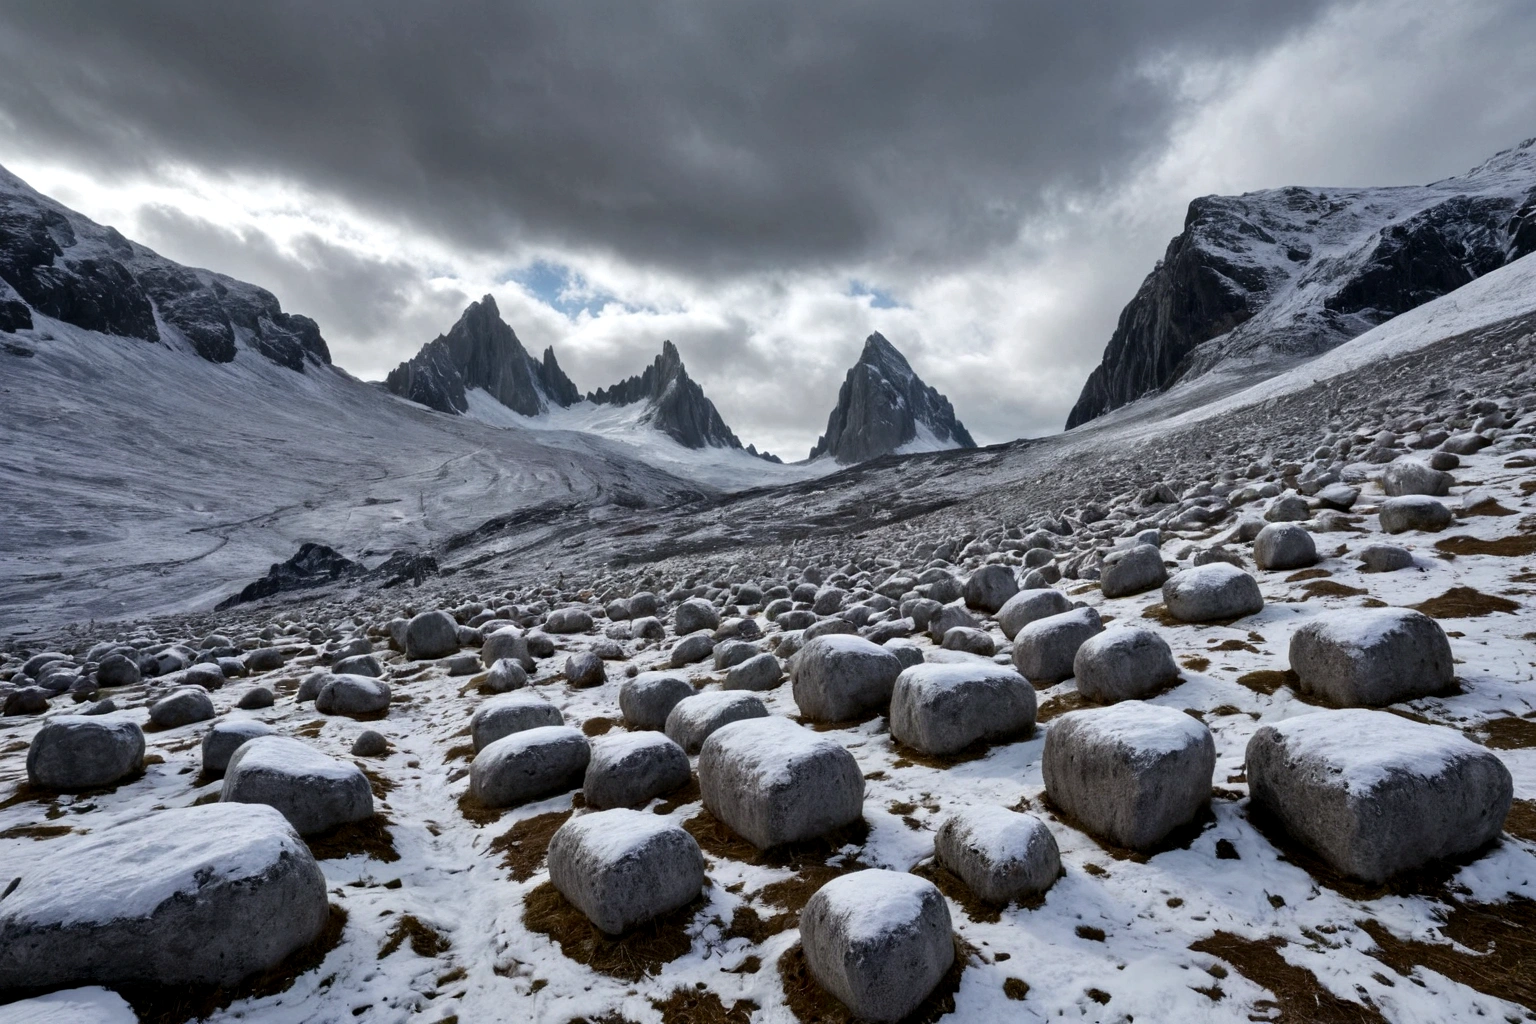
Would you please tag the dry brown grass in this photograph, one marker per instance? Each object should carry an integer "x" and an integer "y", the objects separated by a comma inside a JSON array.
[
  {"x": 1070, "y": 701},
  {"x": 523, "y": 847},
  {"x": 642, "y": 951},
  {"x": 1521, "y": 822},
  {"x": 36, "y": 832},
  {"x": 688, "y": 794},
  {"x": 477, "y": 813},
  {"x": 369, "y": 837},
  {"x": 597, "y": 726},
  {"x": 1509, "y": 733},
  {"x": 1465, "y": 603},
  {"x": 1298, "y": 997},
  {"x": 812, "y": 1004},
  {"x": 460, "y": 752},
  {"x": 1506, "y": 547},
  {"x": 310, "y": 729},
  {"x": 701, "y": 1006},
  {"x": 976, "y": 908},
  {"x": 1267, "y": 681},
  {"x": 1494, "y": 951},
  {"x": 1307, "y": 574},
  {"x": 1330, "y": 588},
  {"x": 424, "y": 939},
  {"x": 1196, "y": 664},
  {"x": 1016, "y": 988}
]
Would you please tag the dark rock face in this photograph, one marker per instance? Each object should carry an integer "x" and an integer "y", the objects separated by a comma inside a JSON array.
[
  {"x": 679, "y": 407},
  {"x": 57, "y": 263},
  {"x": 313, "y": 565},
  {"x": 882, "y": 405},
  {"x": 481, "y": 351},
  {"x": 1270, "y": 277}
]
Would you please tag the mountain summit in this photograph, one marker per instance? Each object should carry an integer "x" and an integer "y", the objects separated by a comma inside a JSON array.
[
  {"x": 481, "y": 351},
  {"x": 1267, "y": 278},
  {"x": 883, "y": 407}
]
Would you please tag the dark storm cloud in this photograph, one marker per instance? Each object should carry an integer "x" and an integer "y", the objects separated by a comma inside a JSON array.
[{"x": 708, "y": 138}]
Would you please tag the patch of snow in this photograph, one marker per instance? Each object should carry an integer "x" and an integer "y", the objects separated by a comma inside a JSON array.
[
  {"x": 92, "y": 1005},
  {"x": 926, "y": 441},
  {"x": 1145, "y": 728},
  {"x": 1395, "y": 745}
]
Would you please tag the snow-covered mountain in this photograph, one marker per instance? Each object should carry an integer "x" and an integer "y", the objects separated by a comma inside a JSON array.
[
  {"x": 1258, "y": 281},
  {"x": 482, "y": 351},
  {"x": 884, "y": 407},
  {"x": 59, "y": 264}
]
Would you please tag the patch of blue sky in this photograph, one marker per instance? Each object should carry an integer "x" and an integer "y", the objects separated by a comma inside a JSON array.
[{"x": 879, "y": 298}]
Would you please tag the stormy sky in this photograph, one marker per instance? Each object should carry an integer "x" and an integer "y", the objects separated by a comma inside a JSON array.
[{"x": 764, "y": 183}]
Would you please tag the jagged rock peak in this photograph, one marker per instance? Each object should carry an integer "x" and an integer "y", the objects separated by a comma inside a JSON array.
[
  {"x": 884, "y": 407},
  {"x": 678, "y": 406},
  {"x": 1258, "y": 281},
  {"x": 482, "y": 351},
  {"x": 61, "y": 264}
]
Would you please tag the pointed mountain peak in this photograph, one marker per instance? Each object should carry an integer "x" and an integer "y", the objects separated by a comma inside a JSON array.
[
  {"x": 884, "y": 407},
  {"x": 679, "y": 407}
]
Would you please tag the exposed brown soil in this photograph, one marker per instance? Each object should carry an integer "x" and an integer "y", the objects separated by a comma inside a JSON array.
[
  {"x": 1179, "y": 839},
  {"x": 36, "y": 832},
  {"x": 1465, "y": 603},
  {"x": 689, "y": 794},
  {"x": 1267, "y": 681},
  {"x": 597, "y": 726},
  {"x": 1307, "y": 574},
  {"x": 1015, "y": 988},
  {"x": 369, "y": 837},
  {"x": 1510, "y": 733},
  {"x": 477, "y": 813},
  {"x": 524, "y": 845},
  {"x": 701, "y": 1006},
  {"x": 812, "y": 1004},
  {"x": 176, "y": 1004},
  {"x": 1486, "y": 507},
  {"x": 1071, "y": 701},
  {"x": 424, "y": 939},
  {"x": 642, "y": 951},
  {"x": 1233, "y": 645},
  {"x": 1521, "y": 822},
  {"x": 716, "y": 839},
  {"x": 1196, "y": 664},
  {"x": 975, "y": 752},
  {"x": 1495, "y": 948},
  {"x": 1299, "y": 998},
  {"x": 1330, "y": 588},
  {"x": 1508, "y": 547},
  {"x": 311, "y": 729},
  {"x": 461, "y": 752},
  {"x": 380, "y": 785}
]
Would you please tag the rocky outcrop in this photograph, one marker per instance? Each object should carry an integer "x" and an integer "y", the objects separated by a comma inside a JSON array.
[
  {"x": 481, "y": 351},
  {"x": 883, "y": 406},
  {"x": 60, "y": 264},
  {"x": 1261, "y": 280},
  {"x": 678, "y": 406}
]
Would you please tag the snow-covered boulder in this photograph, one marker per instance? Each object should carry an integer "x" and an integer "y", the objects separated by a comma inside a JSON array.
[
  {"x": 1413, "y": 794},
  {"x": 939, "y": 709},
  {"x": 647, "y": 699},
  {"x": 585, "y": 669},
  {"x": 1132, "y": 570},
  {"x": 622, "y": 868},
  {"x": 878, "y": 940},
  {"x": 431, "y": 635},
  {"x": 1371, "y": 656},
  {"x": 89, "y": 1005},
  {"x": 314, "y": 791},
  {"x": 568, "y": 620},
  {"x": 694, "y": 614},
  {"x": 506, "y": 642},
  {"x": 352, "y": 695},
  {"x": 505, "y": 675},
  {"x": 1284, "y": 546},
  {"x": 1028, "y": 605},
  {"x": 1130, "y": 773},
  {"x": 1384, "y": 558},
  {"x": 692, "y": 719},
  {"x": 1410, "y": 476},
  {"x": 1001, "y": 855},
  {"x": 181, "y": 707},
  {"x": 226, "y": 737},
  {"x": 759, "y": 672},
  {"x": 837, "y": 678},
  {"x": 528, "y": 765},
  {"x": 629, "y": 768},
  {"x": 989, "y": 588},
  {"x": 508, "y": 713},
  {"x": 1414, "y": 512},
  {"x": 190, "y": 896},
  {"x": 83, "y": 752},
  {"x": 1124, "y": 663},
  {"x": 772, "y": 781},
  {"x": 1214, "y": 592},
  {"x": 1043, "y": 651}
]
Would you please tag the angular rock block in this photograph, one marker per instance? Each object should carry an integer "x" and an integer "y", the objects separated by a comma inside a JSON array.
[
  {"x": 622, "y": 868},
  {"x": 1372, "y": 656},
  {"x": 1132, "y": 570},
  {"x": 880, "y": 941},
  {"x": 1125, "y": 663},
  {"x": 759, "y": 672},
  {"x": 192, "y": 896},
  {"x": 1027, "y": 606},
  {"x": 647, "y": 699},
  {"x": 694, "y": 718},
  {"x": 940, "y": 709},
  {"x": 1044, "y": 650},
  {"x": 314, "y": 792},
  {"x": 989, "y": 588},
  {"x": 1212, "y": 593},
  {"x": 773, "y": 782},
  {"x": 836, "y": 678},
  {"x": 228, "y": 736},
  {"x": 431, "y": 635},
  {"x": 1130, "y": 773},
  {"x": 529, "y": 765},
  {"x": 1410, "y": 795},
  {"x": 1414, "y": 512},
  {"x": 352, "y": 695},
  {"x": 83, "y": 752},
  {"x": 1284, "y": 546},
  {"x": 1001, "y": 855},
  {"x": 509, "y": 713},
  {"x": 627, "y": 769}
]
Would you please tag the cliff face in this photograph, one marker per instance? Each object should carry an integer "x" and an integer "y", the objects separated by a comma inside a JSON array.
[
  {"x": 1259, "y": 280},
  {"x": 883, "y": 406},
  {"x": 481, "y": 351},
  {"x": 679, "y": 407}
]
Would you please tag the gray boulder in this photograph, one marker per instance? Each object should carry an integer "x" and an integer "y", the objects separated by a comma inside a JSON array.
[
  {"x": 948, "y": 617},
  {"x": 263, "y": 659},
  {"x": 1130, "y": 773},
  {"x": 1131, "y": 570},
  {"x": 370, "y": 743},
  {"x": 431, "y": 635},
  {"x": 1027, "y": 606},
  {"x": 510, "y": 713},
  {"x": 837, "y": 678},
  {"x": 759, "y": 672},
  {"x": 647, "y": 699},
  {"x": 83, "y": 752},
  {"x": 989, "y": 588},
  {"x": 506, "y": 642},
  {"x": 584, "y": 669},
  {"x": 773, "y": 782},
  {"x": 528, "y": 765},
  {"x": 691, "y": 649},
  {"x": 880, "y": 941},
  {"x": 622, "y": 868},
  {"x": 1412, "y": 795},
  {"x": 1338, "y": 497},
  {"x": 970, "y": 641},
  {"x": 352, "y": 695},
  {"x": 1414, "y": 512},
  {"x": 627, "y": 769},
  {"x": 192, "y": 896},
  {"x": 693, "y": 718},
  {"x": 1125, "y": 663},
  {"x": 358, "y": 665},
  {"x": 118, "y": 670},
  {"x": 1044, "y": 650},
  {"x": 208, "y": 676},
  {"x": 1385, "y": 558},
  {"x": 1284, "y": 546},
  {"x": 940, "y": 709},
  {"x": 830, "y": 627},
  {"x": 1371, "y": 657},
  {"x": 1000, "y": 855},
  {"x": 568, "y": 620},
  {"x": 1216, "y": 592},
  {"x": 181, "y": 707},
  {"x": 1410, "y": 476},
  {"x": 693, "y": 615},
  {"x": 647, "y": 628},
  {"x": 256, "y": 698},
  {"x": 316, "y": 793},
  {"x": 730, "y": 653},
  {"x": 1288, "y": 508},
  {"x": 226, "y": 737},
  {"x": 506, "y": 675}
]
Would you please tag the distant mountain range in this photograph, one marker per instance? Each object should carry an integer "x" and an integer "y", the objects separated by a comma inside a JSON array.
[{"x": 884, "y": 407}]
